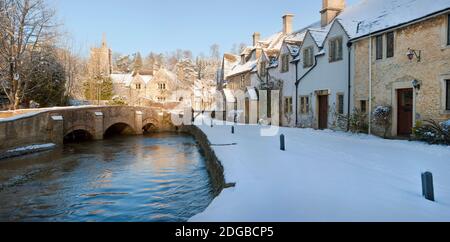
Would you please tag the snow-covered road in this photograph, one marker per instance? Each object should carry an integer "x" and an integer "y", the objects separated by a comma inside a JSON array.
[{"x": 326, "y": 176}]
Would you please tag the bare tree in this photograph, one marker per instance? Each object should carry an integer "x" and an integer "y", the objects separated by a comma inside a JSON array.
[{"x": 25, "y": 26}]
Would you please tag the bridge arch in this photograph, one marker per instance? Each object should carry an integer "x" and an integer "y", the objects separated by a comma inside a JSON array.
[
  {"x": 79, "y": 133},
  {"x": 119, "y": 128},
  {"x": 150, "y": 125}
]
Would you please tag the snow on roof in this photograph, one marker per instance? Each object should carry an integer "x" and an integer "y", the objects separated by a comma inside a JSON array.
[
  {"x": 229, "y": 62},
  {"x": 147, "y": 78},
  {"x": 229, "y": 97},
  {"x": 319, "y": 35},
  {"x": 252, "y": 93},
  {"x": 299, "y": 35},
  {"x": 122, "y": 78},
  {"x": 369, "y": 16},
  {"x": 249, "y": 66},
  {"x": 128, "y": 78}
]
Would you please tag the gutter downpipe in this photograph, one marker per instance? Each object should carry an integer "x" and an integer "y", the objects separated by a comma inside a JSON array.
[
  {"x": 296, "y": 94},
  {"x": 370, "y": 84},
  {"x": 349, "y": 46},
  {"x": 297, "y": 83}
]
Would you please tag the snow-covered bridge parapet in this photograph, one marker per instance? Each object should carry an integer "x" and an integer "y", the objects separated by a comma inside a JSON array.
[{"x": 42, "y": 126}]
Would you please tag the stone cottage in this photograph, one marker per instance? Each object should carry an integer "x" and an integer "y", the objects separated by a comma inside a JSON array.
[{"x": 402, "y": 61}]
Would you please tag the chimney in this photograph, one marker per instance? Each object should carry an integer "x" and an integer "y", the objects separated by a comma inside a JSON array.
[
  {"x": 256, "y": 38},
  {"x": 330, "y": 10},
  {"x": 287, "y": 23}
]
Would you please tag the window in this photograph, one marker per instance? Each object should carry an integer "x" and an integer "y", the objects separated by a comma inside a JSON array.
[
  {"x": 304, "y": 105},
  {"x": 447, "y": 95},
  {"x": 284, "y": 63},
  {"x": 161, "y": 99},
  {"x": 288, "y": 105},
  {"x": 162, "y": 86},
  {"x": 262, "y": 69},
  {"x": 138, "y": 86},
  {"x": 364, "y": 106},
  {"x": 379, "y": 47},
  {"x": 340, "y": 104},
  {"x": 308, "y": 57},
  {"x": 242, "y": 81},
  {"x": 335, "y": 51},
  {"x": 448, "y": 29},
  {"x": 390, "y": 40}
]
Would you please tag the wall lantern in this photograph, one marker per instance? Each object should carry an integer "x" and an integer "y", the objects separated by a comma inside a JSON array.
[
  {"x": 414, "y": 53},
  {"x": 416, "y": 84}
]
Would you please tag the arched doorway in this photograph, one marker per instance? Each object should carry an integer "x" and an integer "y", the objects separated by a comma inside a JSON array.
[
  {"x": 119, "y": 129},
  {"x": 78, "y": 135}
]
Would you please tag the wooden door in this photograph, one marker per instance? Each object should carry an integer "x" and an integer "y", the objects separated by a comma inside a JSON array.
[
  {"x": 405, "y": 107},
  {"x": 323, "y": 112},
  {"x": 247, "y": 110}
]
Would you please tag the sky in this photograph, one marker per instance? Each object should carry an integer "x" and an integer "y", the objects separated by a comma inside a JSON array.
[{"x": 166, "y": 25}]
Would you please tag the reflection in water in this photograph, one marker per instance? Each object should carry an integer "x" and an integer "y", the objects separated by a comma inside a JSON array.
[{"x": 160, "y": 177}]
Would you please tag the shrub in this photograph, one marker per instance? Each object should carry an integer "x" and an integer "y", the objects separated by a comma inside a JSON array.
[
  {"x": 382, "y": 117},
  {"x": 358, "y": 122},
  {"x": 433, "y": 132},
  {"x": 118, "y": 101}
]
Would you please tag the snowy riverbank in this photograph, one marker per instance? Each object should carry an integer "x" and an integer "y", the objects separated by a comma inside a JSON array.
[
  {"x": 326, "y": 176},
  {"x": 26, "y": 150}
]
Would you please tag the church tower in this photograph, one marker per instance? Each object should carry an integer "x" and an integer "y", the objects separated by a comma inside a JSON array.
[{"x": 100, "y": 61}]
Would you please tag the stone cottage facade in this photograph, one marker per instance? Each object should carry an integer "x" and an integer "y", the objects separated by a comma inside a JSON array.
[
  {"x": 409, "y": 71},
  {"x": 323, "y": 70}
]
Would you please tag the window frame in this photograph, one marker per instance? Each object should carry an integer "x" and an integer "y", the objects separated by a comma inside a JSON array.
[
  {"x": 379, "y": 47},
  {"x": 304, "y": 105},
  {"x": 335, "y": 49},
  {"x": 262, "y": 68},
  {"x": 308, "y": 59},
  {"x": 284, "y": 63},
  {"x": 363, "y": 107},
  {"x": 390, "y": 45},
  {"x": 288, "y": 105},
  {"x": 448, "y": 29},
  {"x": 340, "y": 103},
  {"x": 447, "y": 95}
]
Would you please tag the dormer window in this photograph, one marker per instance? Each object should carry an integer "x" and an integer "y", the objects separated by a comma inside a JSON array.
[
  {"x": 335, "y": 49},
  {"x": 284, "y": 63},
  {"x": 139, "y": 86},
  {"x": 308, "y": 57},
  {"x": 262, "y": 68}
]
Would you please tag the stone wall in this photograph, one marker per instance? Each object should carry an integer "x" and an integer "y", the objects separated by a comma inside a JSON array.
[{"x": 391, "y": 74}]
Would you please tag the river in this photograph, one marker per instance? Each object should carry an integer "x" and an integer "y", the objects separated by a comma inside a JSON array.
[{"x": 154, "y": 178}]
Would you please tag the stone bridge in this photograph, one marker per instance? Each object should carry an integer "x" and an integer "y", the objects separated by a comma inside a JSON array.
[{"x": 57, "y": 124}]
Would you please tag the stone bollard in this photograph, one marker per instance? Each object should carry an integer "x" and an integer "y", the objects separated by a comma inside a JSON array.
[
  {"x": 427, "y": 186},
  {"x": 282, "y": 142},
  {"x": 232, "y": 129}
]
